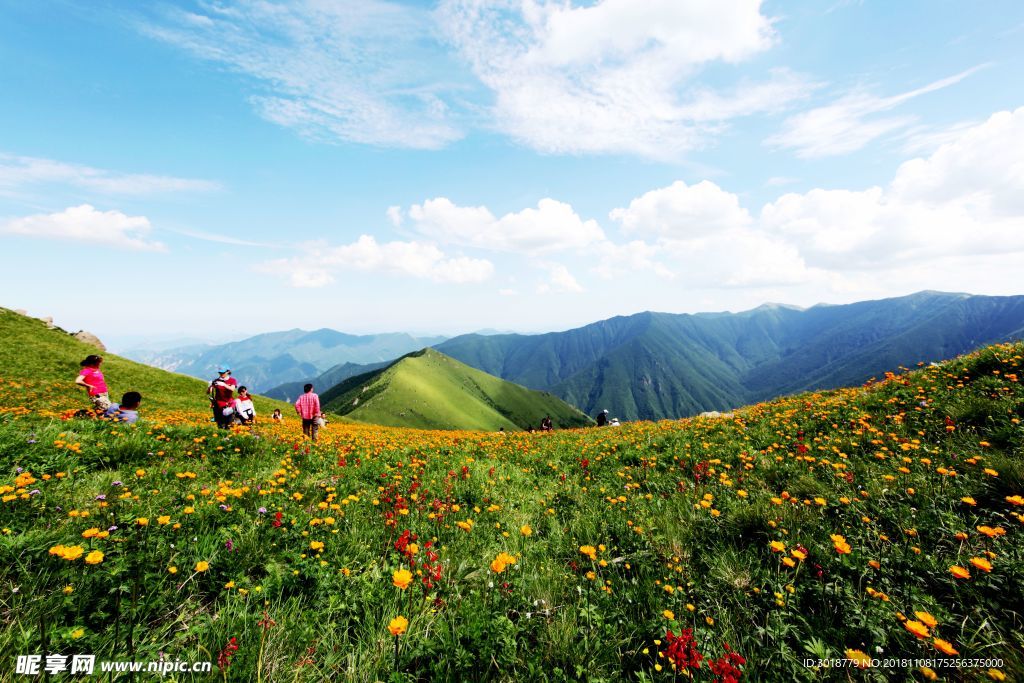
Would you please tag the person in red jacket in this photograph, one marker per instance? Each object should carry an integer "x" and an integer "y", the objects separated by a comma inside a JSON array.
[
  {"x": 222, "y": 396},
  {"x": 308, "y": 408}
]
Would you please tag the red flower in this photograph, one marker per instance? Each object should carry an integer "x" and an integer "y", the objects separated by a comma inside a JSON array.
[
  {"x": 224, "y": 658},
  {"x": 682, "y": 650}
]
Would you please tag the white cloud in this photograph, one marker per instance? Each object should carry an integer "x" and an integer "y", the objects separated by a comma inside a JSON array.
[
  {"x": 851, "y": 122},
  {"x": 615, "y": 75},
  {"x": 86, "y": 224},
  {"x": 394, "y": 214},
  {"x": 18, "y": 172},
  {"x": 682, "y": 210},
  {"x": 560, "y": 280},
  {"x": 366, "y": 71},
  {"x": 966, "y": 198},
  {"x": 637, "y": 256},
  {"x": 552, "y": 226},
  {"x": 318, "y": 263}
]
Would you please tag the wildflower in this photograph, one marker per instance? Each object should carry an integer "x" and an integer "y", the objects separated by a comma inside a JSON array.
[
  {"x": 800, "y": 555},
  {"x": 967, "y": 500},
  {"x": 163, "y": 519},
  {"x": 172, "y": 569},
  {"x": 401, "y": 578},
  {"x": 926, "y": 619},
  {"x": 316, "y": 545},
  {"x": 68, "y": 589},
  {"x": 944, "y": 647},
  {"x": 398, "y": 625},
  {"x": 1015, "y": 500},
  {"x": 525, "y": 530},
  {"x": 668, "y": 614},
  {"x": 777, "y": 546},
  {"x": 859, "y": 658},
  {"x": 501, "y": 562},
  {"x": 959, "y": 572},
  {"x": 142, "y": 521},
  {"x": 590, "y": 551},
  {"x": 840, "y": 544},
  {"x": 982, "y": 564},
  {"x": 929, "y": 674},
  {"x": 95, "y": 557},
  {"x": 202, "y": 566},
  {"x": 917, "y": 628}
]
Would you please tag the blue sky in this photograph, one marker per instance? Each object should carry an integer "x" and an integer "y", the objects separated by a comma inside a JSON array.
[{"x": 219, "y": 169}]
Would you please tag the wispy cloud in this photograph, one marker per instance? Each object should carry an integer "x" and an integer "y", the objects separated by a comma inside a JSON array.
[
  {"x": 610, "y": 77},
  {"x": 20, "y": 172},
  {"x": 365, "y": 71},
  {"x": 88, "y": 225},
  {"x": 852, "y": 121},
  {"x": 222, "y": 239}
]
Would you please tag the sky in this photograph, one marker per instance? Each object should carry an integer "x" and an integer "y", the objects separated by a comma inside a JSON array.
[{"x": 218, "y": 169}]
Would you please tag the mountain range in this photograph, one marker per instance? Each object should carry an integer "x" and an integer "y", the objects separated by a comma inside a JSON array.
[{"x": 663, "y": 365}]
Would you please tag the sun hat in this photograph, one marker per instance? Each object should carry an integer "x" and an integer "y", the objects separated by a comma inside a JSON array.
[{"x": 222, "y": 368}]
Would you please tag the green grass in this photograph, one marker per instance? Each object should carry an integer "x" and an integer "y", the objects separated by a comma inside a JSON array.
[
  {"x": 45, "y": 362},
  {"x": 429, "y": 390}
]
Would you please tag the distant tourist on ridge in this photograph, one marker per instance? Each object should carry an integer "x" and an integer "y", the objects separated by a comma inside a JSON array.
[
  {"x": 602, "y": 418},
  {"x": 127, "y": 410},
  {"x": 91, "y": 378},
  {"x": 308, "y": 408},
  {"x": 545, "y": 424},
  {"x": 222, "y": 395},
  {"x": 245, "y": 411}
]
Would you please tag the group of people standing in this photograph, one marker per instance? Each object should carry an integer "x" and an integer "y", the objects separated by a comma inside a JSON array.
[
  {"x": 91, "y": 378},
  {"x": 229, "y": 409}
]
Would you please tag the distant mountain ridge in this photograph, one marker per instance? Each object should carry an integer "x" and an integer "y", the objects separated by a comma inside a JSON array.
[
  {"x": 659, "y": 365},
  {"x": 268, "y": 360},
  {"x": 430, "y": 390}
]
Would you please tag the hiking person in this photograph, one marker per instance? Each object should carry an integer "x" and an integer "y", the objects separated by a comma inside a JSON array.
[
  {"x": 308, "y": 408},
  {"x": 91, "y": 378},
  {"x": 127, "y": 410},
  {"x": 602, "y": 418},
  {"x": 545, "y": 424},
  {"x": 222, "y": 395},
  {"x": 244, "y": 408}
]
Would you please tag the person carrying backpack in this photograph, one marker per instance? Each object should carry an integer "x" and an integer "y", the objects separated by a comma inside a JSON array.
[
  {"x": 308, "y": 408},
  {"x": 222, "y": 396}
]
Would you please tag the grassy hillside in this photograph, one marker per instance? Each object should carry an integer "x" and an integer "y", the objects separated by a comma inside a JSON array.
[
  {"x": 38, "y": 367},
  {"x": 880, "y": 522},
  {"x": 429, "y": 390}
]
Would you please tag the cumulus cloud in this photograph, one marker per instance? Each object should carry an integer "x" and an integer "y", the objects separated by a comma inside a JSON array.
[
  {"x": 366, "y": 71},
  {"x": 552, "y": 226},
  {"x": 86, "y": 224},
  {"x": 614, "y": 75},
  {"x": 560, "y": 280},
  {"x": 851, "y": 122},
  {"x": 682, "y": 210},
  {"x": 319, "y": 262},
  {"x": 19, "y": 172},
  {"x": 965, "y": 198}
]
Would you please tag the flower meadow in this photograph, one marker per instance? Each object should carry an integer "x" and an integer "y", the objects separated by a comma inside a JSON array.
[{"x": 880, "y": 525}]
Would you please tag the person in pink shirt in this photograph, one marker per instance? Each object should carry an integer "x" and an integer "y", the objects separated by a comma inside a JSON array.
[
  {"x": 308, "y": 408},
  {"x": 92, "y": 379}
]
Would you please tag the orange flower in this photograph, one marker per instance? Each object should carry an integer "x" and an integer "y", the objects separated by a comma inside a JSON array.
[
  {"x": 860, "y": 659},
  {"x": 917, "y": 628},
  {"x": 777, "y": 546},
  {"x": 398, "y": 625},
  {"x": 926, "y": 619},
  {"x": 959, "y": 572},
  {"x": 982, "y": 564},
  {"x": 401, "y": 578},
  {"x": 944, "y": 647}
]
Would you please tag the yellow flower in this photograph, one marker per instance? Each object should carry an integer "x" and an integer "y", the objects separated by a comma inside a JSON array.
[
  {"x": 996, "y": 675},
  {"x": 926, "y": 619},
  {"x": 398, "y": 625},
  {"x": 859, "y": 658},
  {"x": 525, "y": 530},
  {"x": 777, "y": 546},
  {"x": 501, "y": 562},
  {"x": 959, "y": 572},
  {"x": 982, "y": 564},
  {"x": 590, "y": 551},
  {"x": 401, "y": 579},
  {"x": 668, "y": 614},
  {"x": 142, "y": 521},
  {"x": 928, "y": 673},
  {"x": 967, "y": 500},
  {"x": 917, "y": 628},
  {"x": 164, "y": 519},
  {"x": 95, "y": 557},
  {"x": 788, "y": 562},
  {"x": 78, "y": 633},
  {"x": 172, "y": 569},
  {"x": 944, "y": 647},
  {"x": 799, "y": 555},
  {"x": 316, "y": 545},
  {"x": 68, "y": 590},
  {"x": 90, "y": 533},
  {"x": 202, "y": 566}
]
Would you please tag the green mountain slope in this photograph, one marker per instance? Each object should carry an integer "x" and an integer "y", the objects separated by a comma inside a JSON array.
[
  {"x": 37, "y": 363},
  {"x": 430, "y": 390},
  {"x": 659, "y": 365}
]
